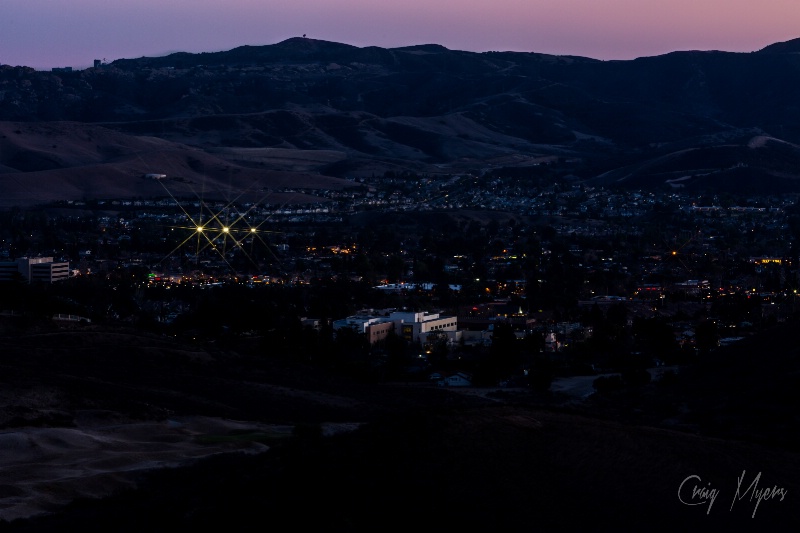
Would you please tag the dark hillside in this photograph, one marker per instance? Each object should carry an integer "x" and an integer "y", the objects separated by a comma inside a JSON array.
[
  {"x": 425, "y": 108},
  {"x": 425, "y": 455}
]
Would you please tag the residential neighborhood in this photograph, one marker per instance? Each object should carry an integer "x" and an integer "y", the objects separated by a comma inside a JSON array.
[{"x": 429, "y": 269}]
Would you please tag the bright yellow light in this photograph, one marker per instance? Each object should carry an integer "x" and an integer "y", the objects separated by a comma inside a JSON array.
[
  {"x": 674, "y": 253},
  {"x": 199, "y": 229},
  {"x": 252, "y": 230},
  {"x": 225, "y": 230}
]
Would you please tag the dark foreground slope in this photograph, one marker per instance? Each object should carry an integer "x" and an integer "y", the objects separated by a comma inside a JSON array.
[
  {"x": 424, "y": 457},
  {"x": 487, "y": 468}
]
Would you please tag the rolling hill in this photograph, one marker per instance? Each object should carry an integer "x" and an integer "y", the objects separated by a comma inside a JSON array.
[{"x": 331, "y": 110}]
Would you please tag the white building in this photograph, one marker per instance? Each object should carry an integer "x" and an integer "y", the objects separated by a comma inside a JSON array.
[
  {"x": 34, "y": 269},
  {"x": 376, "y": 328},
  {"x": 411, "y": 325}
]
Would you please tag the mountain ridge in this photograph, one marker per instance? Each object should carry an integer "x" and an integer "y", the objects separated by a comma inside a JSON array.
[{"x": 428, "y": 109}]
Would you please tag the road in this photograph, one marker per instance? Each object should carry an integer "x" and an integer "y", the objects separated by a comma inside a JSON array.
[
  {"x": 577, "y": 386},
  {"x": 583, "y": 386}
]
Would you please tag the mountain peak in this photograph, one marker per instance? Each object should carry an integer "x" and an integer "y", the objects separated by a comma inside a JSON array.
[
  {"x": 786, "y": 47},
  {"x": 428, "y": 48},
  {"x": 307, "y": 44}
]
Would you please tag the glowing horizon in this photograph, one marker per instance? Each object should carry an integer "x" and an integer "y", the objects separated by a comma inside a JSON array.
[{"x": 37, "y": 34}]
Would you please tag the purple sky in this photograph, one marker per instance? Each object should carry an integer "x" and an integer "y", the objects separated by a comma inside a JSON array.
[{"x": 48, "y": 33}]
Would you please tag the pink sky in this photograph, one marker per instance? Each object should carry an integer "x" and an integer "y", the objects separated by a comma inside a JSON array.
[{"x": 48, "y": 33}]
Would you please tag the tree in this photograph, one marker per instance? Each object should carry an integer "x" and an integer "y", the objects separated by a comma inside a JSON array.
[
  {"x": 654, "y": 337},
  {"x": 706, "y": 336},
  {"x": 605, "y": 384},
  {"x": 505, "y": 351},
  {"x": 395, "y": 268},
  {"x": 541, "y": 373},
  {"x": 436, "y": 348}
]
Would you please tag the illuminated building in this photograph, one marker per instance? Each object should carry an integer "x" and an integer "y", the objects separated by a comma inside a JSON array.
[{"x": 34, "y": 269}]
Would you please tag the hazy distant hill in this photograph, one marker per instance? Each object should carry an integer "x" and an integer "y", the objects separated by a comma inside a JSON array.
[
  {"x": 430, "y": 109},
  {"x": 44, "y": 162}
]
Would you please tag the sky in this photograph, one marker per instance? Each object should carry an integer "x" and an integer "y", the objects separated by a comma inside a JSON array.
[{"x": 55, "y": 33}]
